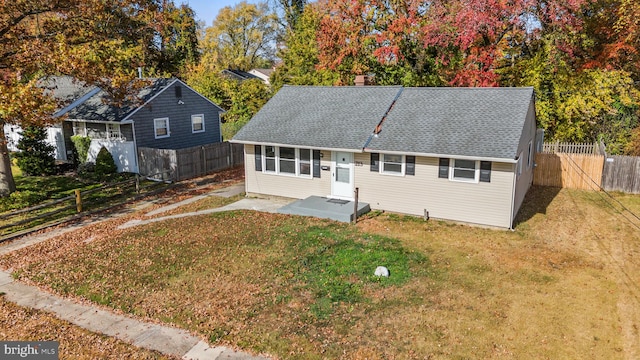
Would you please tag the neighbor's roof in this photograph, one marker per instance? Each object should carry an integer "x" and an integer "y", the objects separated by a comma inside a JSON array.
[
  {"x": 65, "y": 89},
  {"x": 476, "y": 122},
  {"x": 238, "y": 74},
  {"x": 321, "y": 117},
  {"x": 98, "y": 108}
]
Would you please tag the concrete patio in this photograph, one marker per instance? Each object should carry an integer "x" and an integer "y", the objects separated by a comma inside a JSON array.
[{"x": 335, "y": 209}]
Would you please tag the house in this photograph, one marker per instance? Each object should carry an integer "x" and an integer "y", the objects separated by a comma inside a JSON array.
[
  {"x": 263, "y": 74},
  {"x": 461, "y": 154},
  {"x": 168, "y": 115},
  {"x": 239, "y": 75}
]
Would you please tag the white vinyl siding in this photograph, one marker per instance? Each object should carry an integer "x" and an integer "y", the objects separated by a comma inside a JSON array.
[
  {"x": 486, "y": 203},
  {"x": 161, "y": 128},
  {"x": 260, "y": 182}
]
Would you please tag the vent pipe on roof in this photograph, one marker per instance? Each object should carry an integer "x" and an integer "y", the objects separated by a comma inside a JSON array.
[{"x": 139, "y": 72}]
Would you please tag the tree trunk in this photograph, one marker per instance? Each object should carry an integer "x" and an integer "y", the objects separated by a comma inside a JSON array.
[{"x": 7, "y": 185}]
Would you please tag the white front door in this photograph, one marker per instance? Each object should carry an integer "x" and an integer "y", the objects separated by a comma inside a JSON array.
[{"x": 342, "y": 175}]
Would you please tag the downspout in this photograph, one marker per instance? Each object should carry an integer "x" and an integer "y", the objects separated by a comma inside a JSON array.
[{"x": 513, "y": 196}]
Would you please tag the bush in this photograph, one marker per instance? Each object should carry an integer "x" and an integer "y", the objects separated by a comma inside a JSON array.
[
  {"x": 86, "y": 170},
  {"x": 35, "y": 157},
  {"x": 104, "y": 163},
  {"x": 81, "y": 145}
]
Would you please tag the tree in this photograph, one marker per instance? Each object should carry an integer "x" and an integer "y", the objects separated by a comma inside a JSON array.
[
  {"x": 240, "y": 99},
  {"x": 299, "y": 55},
  {"x": 242, "y": 37},
  {"x": 35, "y": 157},
  {"x": 100, "y": 42},
  {"x": 177, "y": 39}
]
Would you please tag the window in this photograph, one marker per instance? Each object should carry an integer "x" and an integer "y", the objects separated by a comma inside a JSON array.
[
  {"x": 79, "y": 128},
  {"x": 288, "y": 161},
  {"x": 392, "y": 164},
  {"x": 161, "y": 128},
  {"x": 463, "y": 170},
  {"x": 270, "y": 158},
  {"x": 197, "y": 123},
  {"x": 113, "y": 131}
]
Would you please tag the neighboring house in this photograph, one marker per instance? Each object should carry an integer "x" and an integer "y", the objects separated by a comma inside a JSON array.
[
  {"x": 168, "y": 115},
  {"x": 462, "y": 154},
  {"x": 263, "y": 74},
  {"x": 238, "y": 75}
]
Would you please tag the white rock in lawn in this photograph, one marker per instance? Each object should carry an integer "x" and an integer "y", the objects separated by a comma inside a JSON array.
[{"x": 381, "y": 271}]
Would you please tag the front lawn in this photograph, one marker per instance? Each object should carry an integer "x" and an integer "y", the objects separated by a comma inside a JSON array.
[{"x": 559, "y": 286}]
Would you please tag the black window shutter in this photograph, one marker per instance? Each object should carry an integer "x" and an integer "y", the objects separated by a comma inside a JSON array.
[
  {"x": 443, "y": 168},
  {"x": 410, "y": 168},
  {"x": 375, "y": 162},
  {"x": 316, "y": 163},
  {"x": 485, "y": 171},
  {"x": 258, "y": 155}
]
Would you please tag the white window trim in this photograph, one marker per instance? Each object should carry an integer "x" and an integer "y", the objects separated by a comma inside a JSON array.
[
  {"x": 115, "y": 133},
  {"x": 476, "y": 177},
  {"x": 193, "y": 131},
  {"x": 155, "y": 128},
  {"x": 403, "y": 163},
  {"x": 277, "y": 163}
]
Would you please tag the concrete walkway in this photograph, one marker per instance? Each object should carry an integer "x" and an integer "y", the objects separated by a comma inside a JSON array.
[{"x": 165, "y": 339}]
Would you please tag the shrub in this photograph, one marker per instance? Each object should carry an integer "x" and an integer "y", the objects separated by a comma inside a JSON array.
[
  {"x": 36, "y": 155},
  {"x": 86, "y": 170},
  {"x": 104, "y": 163},
  {"x": 81, "y": 145}
]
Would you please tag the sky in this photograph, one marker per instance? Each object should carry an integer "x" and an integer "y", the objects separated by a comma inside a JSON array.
[{"x": 207, "y": 10}]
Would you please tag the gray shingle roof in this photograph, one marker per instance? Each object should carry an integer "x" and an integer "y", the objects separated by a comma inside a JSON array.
[
  {"x": 477, "y": 122},
  {"x": 318, "y": 116},
  {"x": 98, "y": 108},
  {"x": 64, "y": 88}
]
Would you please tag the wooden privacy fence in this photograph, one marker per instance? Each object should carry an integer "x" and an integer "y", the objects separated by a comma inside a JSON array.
[
  {"x": 191, "y": 162},
  {"x": 576, "y": 171},
  {"x": 622, "y": 173}
]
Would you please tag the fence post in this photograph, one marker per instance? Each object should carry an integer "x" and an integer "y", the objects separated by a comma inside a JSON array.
[
  {"x": 78, "y": 200},
  {"x": 137, "y": 183}
]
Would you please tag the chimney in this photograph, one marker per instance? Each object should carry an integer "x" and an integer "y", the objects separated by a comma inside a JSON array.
[{"x": 361, "y": 80}]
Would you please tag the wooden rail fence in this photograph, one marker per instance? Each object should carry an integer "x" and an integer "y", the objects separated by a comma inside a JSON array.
[{"x": 191, "y": 162}]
